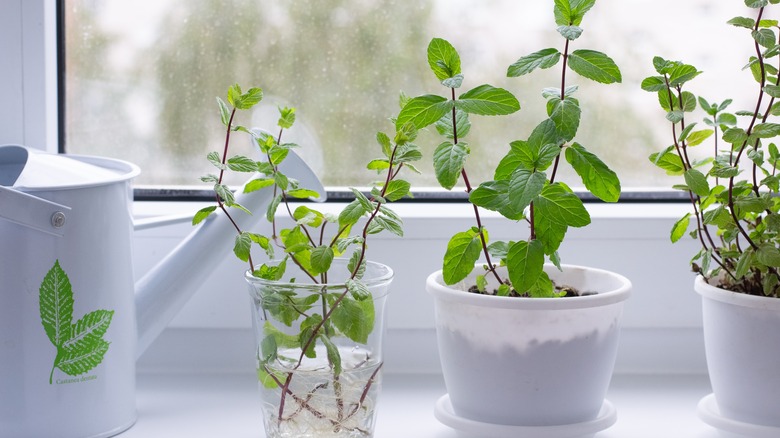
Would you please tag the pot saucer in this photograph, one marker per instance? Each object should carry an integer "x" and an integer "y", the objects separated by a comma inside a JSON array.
[
  {"x": 475, "y": 429},
  {"x": 709, "y": 413}
]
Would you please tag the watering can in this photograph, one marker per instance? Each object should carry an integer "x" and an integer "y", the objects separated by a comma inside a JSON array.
[{"x": 72, "y": 321}]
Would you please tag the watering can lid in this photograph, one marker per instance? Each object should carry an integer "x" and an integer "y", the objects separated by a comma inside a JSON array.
[{"x": 28, "y": 168}]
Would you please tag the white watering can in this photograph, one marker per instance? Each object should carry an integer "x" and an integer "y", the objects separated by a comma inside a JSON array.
[{"x": 72, "y": 323}]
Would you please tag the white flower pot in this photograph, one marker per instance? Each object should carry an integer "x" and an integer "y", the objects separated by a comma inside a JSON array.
[
  {"x": 530, "y": 361},
  {"x": 742, "y": 343}
]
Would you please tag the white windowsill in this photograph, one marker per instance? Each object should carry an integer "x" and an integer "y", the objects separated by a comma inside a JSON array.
[{"x": 228, "y": 405}]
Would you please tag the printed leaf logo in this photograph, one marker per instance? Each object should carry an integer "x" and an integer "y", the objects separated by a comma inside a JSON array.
[{"x": 80, "y": 346}]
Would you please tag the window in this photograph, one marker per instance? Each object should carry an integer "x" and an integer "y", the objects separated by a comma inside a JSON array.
[{"x": 141, "y": 77}]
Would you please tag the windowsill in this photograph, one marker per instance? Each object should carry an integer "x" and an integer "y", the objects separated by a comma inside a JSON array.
[{"x": 227, "y": 405}]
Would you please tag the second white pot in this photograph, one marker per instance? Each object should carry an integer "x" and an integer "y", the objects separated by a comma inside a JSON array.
[{"x": 530, "y": 361}]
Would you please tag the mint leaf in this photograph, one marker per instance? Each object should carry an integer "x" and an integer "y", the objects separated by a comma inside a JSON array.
[
  {"x": 462, "y": 253},
  {"x": 257, "y": 184},
  {"x": 462, "y": 123},
  {"x": 351, "y": 213},
  {"x": 494, "y": 196},
  {"x": 397, "y": 189},
  {"x": 595, "y": 66},
  {"x": 321, "y": 259},
  {"x": 562, "y": 206},
  {"x": 697, "y": 182},
  {"x": 202, "y": 214},
  {"x": 423, "y": 110},
  {"x": 56, "y": 305},
  {"x": 524, "y": 186},
  {"x": 525, "y": 262},
  {"x": 443, "y": 59},
  {"x": 242, "y": 245},
  {"x": 545, "y": 58},
  {"x": 597, "y": 177},
  {"x": 355, "y": 319},
  {"x": 448, "y": 161},
  {"x": 487, "y": 100},
  {"x": 566, "y": 116},
  {"x": 680, "y": 227}
]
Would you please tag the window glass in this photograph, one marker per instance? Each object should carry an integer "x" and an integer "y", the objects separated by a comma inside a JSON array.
[{"x": 142, "y": 77}]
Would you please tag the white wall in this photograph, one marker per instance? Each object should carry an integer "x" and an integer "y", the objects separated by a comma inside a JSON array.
[{"x": 662, "y": 320}]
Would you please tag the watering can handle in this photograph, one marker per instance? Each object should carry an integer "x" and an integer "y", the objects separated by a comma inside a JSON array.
[{"x": 33, "y": 212}]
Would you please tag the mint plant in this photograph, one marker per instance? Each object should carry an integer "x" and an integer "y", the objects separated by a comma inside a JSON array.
[
  {"x": 314, "y": 241},
  {"x": 733, "y": 189},
  {"x": 524, "y": 186},
  {"x": 80, "y": 346}
]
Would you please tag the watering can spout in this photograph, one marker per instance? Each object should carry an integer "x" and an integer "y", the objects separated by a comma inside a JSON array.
[{"x": 164, "y": 290}]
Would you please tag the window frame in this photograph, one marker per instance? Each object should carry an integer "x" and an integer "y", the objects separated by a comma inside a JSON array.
[{"x": 53, "y": 44}]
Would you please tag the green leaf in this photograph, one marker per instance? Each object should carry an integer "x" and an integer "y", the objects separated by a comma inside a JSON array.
[
  {"x": 521, "y": 155},
  {"x": 571, "y": 33},
  {"x": 524, "y": 186},
  {"x": 696, "y": 138},
  {"x": 668, "y": 161},
  {"x": 397, "y": 189},
  {"x": 242, "y": 246},
  {"x": 487, "y": 100},
  {"x": 463, "y": 125},
  {"x": 392, "y": 224},
  {"x": 215, "y": 159},
  {"x": 566, "y": 115},
  {"x": 224, "y": 111},
  {"x": 561, "y": 206},
  {"x": 597, "y": 177},
  {"x": 680, "y": 227},
  {"x": 355, "y": 319},
  {"x": 595, "y": 66},
  {"x": 384, "y": 143},
  {"x": 548, "y": 231},
  {"x": 443, "y": 59},
  {"x": 268, "y": 348},
  {"x": 286, "y": 117},
  {"x": 747, "y": 23},
  {"x": 525, "y": 262},
  {"x": 681, "y": 74},
  {"x": 744, "y": 263},
  {"x": 321, "y": 259},
  {"x": 378, "y": 165},
  {"x": 545, "y": 58},
  {"x": 424, "y": 110},
  {"x": 202, "y": 214},
  {"x": 361, "y": 198},
  {"x": 257, "y": 184},
  {"x": 358, "y": 289},
  {"x": 769, "y": 255},
  {"x": 79, "y": 361},
  {"x": 448, "y": 161},
  {"x": 654, "y": 84},
  {"x": 453, "y": 82},
  {"x": 462, "y": 253},
  {"x": 302, "y": 194},
  {"x": 765, "y": 37},
  {"x": 697, "y": 182},
  {"x": 249, "y": 99},
  {"x": 352, "y": 264},
  {"x": 563, "y": 13},
  {"x": 766, "y": 130},
  {"x": 494, "y": 196},
  {"x": 56, "y": 305},
  {"x": 89, "y": 330},
  {"x": 240, "y": 163},
  {"x": 351, "y": 213},
  {"x": 272, "y": 206},
  {"x": 334, "y": 357},
  {"x": 224, "y": 193}
]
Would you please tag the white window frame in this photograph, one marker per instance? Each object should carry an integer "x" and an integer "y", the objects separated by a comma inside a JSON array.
[{"x": 28, "y": 74}]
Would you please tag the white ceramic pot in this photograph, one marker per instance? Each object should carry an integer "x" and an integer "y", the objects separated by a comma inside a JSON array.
[
  {"x": 530, "y": 361},
  {"x": 742, "y": 343}
]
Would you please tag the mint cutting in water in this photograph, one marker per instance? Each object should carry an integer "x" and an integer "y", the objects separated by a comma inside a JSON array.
[{"x": 80, "y": 346}]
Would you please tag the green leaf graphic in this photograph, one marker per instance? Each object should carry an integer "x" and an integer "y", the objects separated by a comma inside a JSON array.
[
  {"x": 56, "y": 303},
  {"x": 80, "y": 346}
]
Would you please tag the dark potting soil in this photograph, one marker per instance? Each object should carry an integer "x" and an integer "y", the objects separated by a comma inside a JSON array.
[{"x": 570, "y": 291}]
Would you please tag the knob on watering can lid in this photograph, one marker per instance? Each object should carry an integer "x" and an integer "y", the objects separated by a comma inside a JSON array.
[{"x": 27, "y": 168}]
